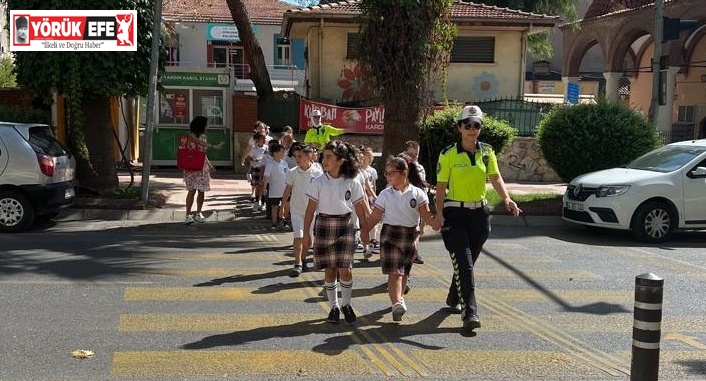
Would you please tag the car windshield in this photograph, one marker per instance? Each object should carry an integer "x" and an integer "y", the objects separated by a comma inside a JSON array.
[
  {"x": 666, "y": 159},
  {"x": 43, "y": 141}
]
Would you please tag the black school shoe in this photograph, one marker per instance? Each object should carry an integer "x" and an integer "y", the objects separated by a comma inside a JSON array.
[
  {"x": 348, "y": 313},
  {"x": 334, "y": 316}
]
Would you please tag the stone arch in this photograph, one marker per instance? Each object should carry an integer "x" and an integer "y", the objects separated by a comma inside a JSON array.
[
  {"x": 692, "y": 42},
  {"x": 575, "y": 55},
  {"x": 615, "y": 61}
]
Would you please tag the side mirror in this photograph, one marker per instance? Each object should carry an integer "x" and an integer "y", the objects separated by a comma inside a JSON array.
[{"x": 699, "y": 172}]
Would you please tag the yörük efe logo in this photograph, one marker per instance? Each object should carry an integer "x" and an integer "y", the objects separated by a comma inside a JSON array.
[{"x": 73, "y": 30}]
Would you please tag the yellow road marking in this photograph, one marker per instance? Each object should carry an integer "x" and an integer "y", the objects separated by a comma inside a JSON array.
[
  {"x": 231, "y": 364},
  {"x": 562, "y": 339},
  {"x": 514, "y": 365},
  {"x": 364, "y": 272}
]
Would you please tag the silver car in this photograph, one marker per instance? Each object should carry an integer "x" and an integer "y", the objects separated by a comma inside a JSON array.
[{"x": 37, "y": 175}]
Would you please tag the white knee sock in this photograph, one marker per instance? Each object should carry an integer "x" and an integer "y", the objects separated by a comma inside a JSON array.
[
  {"x": 346, "y": 291},
  {"x": 332, "y": 293}
]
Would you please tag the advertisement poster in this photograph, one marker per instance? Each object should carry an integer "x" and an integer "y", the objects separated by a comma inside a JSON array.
[
  {"x": 180, "y": 106},
  {"x": 364, "y": 120}
]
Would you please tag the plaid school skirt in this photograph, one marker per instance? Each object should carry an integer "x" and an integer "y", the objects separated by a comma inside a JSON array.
[
  {"x": 397, "y": 248},
  {"x": 334, "y": 242}
]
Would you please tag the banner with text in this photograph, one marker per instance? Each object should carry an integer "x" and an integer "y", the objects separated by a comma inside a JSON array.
[
  {"x": 73, "y": 30},
  {"x": 364, "y": 120}
]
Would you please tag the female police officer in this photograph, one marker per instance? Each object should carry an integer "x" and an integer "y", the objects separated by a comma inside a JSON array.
[{"x": 463, "y": 212}]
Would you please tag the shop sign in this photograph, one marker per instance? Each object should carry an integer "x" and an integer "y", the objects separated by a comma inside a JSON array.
[{"x": 187, "y": 79}]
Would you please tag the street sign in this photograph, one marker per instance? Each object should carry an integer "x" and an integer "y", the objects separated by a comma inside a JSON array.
[{"x": 572, "y": 93}]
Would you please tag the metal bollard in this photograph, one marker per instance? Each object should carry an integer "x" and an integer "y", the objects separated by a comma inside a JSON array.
[{"x": 646, "y": 330}]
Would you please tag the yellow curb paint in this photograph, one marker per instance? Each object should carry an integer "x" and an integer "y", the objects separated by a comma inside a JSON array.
[{"x": 231, "y": 364}]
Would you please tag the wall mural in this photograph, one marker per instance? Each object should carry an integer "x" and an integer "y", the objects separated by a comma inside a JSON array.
[
  {"x": 485, "y": 86},
  {"x": 352, "y": 84}
]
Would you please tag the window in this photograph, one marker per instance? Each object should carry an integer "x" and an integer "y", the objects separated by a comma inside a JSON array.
[
  {"x": 282, "y": 57},
  {"x": 173, "y": 50},
  {"x": 209, "y": 103},
  {"x": 686, "y": 114},
  {"x": 229, "y": 56},
  {"x": 473, "y": 50},
  {"x": 353, "y": 46}
]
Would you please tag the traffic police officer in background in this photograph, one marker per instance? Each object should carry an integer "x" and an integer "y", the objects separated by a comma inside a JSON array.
[{"x": 463, "y": 212}]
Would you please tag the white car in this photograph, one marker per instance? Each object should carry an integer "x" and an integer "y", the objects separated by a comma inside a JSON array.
[{"x": 655, "y": 194}]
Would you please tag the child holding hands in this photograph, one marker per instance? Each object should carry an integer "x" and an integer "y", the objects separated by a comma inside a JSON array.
[
  {"x": 399, "y": 206},
  {"x": 335, "y": 195}
]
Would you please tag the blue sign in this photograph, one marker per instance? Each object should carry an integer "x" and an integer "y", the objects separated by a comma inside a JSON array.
[{"x": 572, "y": 93}]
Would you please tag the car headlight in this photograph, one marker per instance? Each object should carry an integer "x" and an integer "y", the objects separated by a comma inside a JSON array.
[{"x": 611, "y": 191}]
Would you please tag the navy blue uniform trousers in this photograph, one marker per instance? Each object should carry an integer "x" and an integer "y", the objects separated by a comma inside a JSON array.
[{"x": 464, "y": 233}]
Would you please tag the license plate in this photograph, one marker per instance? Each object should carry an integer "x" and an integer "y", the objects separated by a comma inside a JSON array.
[
  {"x": 574, "y": 206},
  {"x": 69, "y": 193}
]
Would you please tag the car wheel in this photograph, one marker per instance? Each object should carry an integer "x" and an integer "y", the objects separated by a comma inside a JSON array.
[
  {"x": 653, "y": 222},
  {"x": 16, "y": 212}
]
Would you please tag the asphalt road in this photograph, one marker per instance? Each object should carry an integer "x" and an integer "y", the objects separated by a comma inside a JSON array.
[{"x": 164, "y": 301}]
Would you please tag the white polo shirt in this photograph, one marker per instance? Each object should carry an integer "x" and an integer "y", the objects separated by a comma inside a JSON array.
[
  {"x": 299, "y": 180},
  {"x": 335, "y": 196},
  {"x": 401, "y": 208},
  {"x": 276, "y": 173},
  {"x": 257, "y": 154}
]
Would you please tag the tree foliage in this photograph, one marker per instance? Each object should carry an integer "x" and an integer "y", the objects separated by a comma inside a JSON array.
[
  {"x": 87, "y": 79},
  {"x": 585, "y": 138},
  {"x": 404, "y": 46},
  {"x": 7, "y": 77},
  {"x": 539, "y": 45}
]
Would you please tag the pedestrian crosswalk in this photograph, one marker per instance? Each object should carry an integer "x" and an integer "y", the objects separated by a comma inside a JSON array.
[{"x": 234, "y": 312}]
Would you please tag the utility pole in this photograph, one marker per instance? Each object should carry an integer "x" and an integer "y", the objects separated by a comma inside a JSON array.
[
  {"x": 656, "y": 62},
  {"x": 152, "y": 92}
]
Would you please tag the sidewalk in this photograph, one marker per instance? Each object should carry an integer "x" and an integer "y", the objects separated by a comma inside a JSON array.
[{"x": 228, "y": 193}]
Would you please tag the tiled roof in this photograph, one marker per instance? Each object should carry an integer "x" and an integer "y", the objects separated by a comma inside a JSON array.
[
  {"x": 260, "y": 11},
  {"x": 462, "y": 10},
  {"x": 604, "y": 7}
]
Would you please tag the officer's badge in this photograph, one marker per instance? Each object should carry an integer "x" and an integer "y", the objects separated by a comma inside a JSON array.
[
  {"x": 348, "y": 195},
  {"x": 413, "y": 203}
]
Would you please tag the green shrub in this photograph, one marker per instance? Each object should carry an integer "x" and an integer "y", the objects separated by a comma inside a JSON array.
[
  {"x": 439, "y": 130},
  {"x": 19, "y": 114},
  {"x": 584, "y": 138}
]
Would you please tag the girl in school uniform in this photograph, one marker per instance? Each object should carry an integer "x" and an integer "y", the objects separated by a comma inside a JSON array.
[
  {"x": 399, "y": 206},
  {"x": 335, "y": 195}
]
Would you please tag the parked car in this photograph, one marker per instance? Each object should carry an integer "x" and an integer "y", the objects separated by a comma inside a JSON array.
[
  {"x": 37, "y": 175},
  {"x": 654, "y": 195}
]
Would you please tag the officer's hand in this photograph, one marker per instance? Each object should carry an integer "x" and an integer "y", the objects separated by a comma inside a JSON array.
[
  {"x": 512, "y": 207},
  {"x": 439, "y": 221}
]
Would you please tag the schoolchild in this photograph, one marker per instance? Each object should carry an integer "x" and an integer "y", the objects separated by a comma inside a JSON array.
[
  {"x": 294, "y": 200},
  {"x": 400, "y": 207},
  {"x": 275, "y": 173},
  {"x": 257, "y": 156},
  {"x": 371, "y": 177},
  {"x": 334, "y": 196}
]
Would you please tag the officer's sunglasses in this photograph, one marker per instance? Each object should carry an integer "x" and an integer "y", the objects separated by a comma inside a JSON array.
[{"x": 468, "y": 125}]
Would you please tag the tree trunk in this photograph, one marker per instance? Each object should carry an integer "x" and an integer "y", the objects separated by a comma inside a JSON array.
[
  {"x": 402, "y": 114},
  {"x": 100, "y": 176},
  {"x": 258, "y": 70}
]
